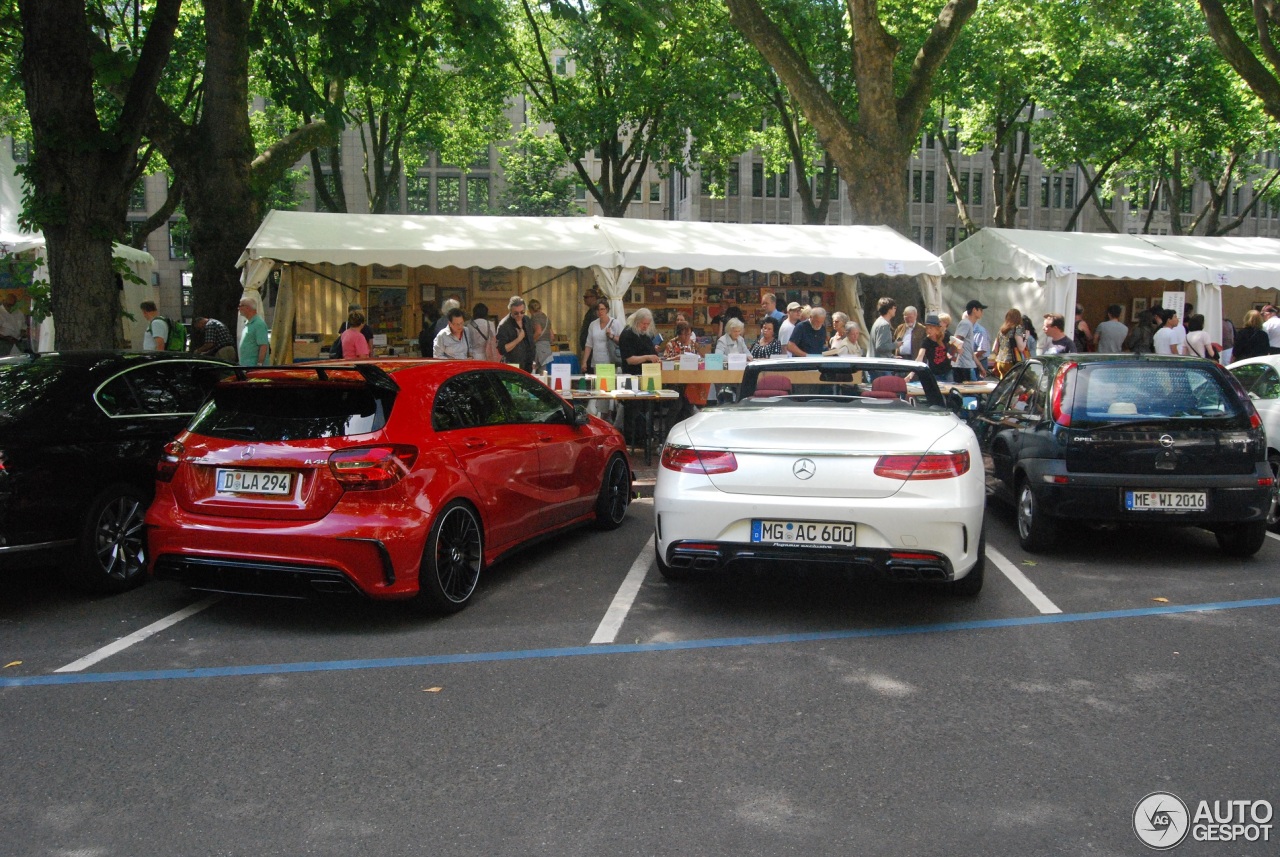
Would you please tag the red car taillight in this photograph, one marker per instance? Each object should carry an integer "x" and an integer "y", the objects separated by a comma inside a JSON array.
[
  {"x": 169, "y": 460},
  {"x": 1062, "y": 393},
  {"x": 945, "y": 465},
  {"x": 370, "y": 468},
  {"x": 686, "y": 459}
]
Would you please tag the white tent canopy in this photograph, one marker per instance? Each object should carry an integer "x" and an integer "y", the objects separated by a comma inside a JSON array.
[
  {"x": 1037, "y": 271},
  {"x": 615, "y": 249}
]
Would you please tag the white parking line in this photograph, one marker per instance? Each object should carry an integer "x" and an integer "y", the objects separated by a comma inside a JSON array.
[
  {"x": 1037, "y": 598},
  {"x": 617, "y": 612},
  {"x": 138, "y": 636},
  {"x": 1272, "y": 535}
]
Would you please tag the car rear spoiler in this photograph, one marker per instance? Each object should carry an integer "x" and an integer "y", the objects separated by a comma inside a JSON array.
[{"x": 373, "y": 375}]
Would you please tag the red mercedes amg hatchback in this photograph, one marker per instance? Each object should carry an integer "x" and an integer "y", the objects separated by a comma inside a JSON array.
[{"x": 393, "y": 478}]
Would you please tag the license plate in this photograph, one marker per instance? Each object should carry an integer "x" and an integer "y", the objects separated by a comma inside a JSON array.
[
  {"x": 803, "y": 533},
  {"x": 1166, "y": 501},
  {"x": 254, "y": 482}
]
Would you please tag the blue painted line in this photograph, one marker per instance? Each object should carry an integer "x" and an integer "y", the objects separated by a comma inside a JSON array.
[{"x": 621, "y": 649}]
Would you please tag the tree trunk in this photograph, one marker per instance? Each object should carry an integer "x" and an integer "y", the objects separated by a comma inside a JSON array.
[
  {"x": 874, "y": 150},
  {"x": 82, "y": 173}
]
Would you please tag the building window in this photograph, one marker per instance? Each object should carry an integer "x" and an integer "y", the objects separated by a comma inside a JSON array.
[
  {"x": 1186, "y": 200},
  {"x": 928, "y": 186},
  {"x": 929, "y": 140},
  {"x": 951, "y": 237},
  {"x": 915, "y": 234},
  {"x": 917, "y": 185},
  {"x": 684, "y": 186},
  {"x": 732, "y": 182},
  {"x": 655, "y": 191},
  {"x": 136, "y": 238},
  {"x": 562, "y": 66},
  {"x": 477, "y": 194},
  {"x": 418, "y": 194},
  {"x": 771, "y": 185},
  {"x": 579, "y": 191},
  {"x": 21, "y": 150},
  {"x": 138, "y": 196},
  {"x": 975, "y": 188},
  {"x": 1024, "y": 191},
  {"x": 928, "y": 238},
  {"x": 448, "y": 195},
  {"x": 637, "y": 191},
  {"x": 784, "y": 183},
  {"x": 179, "y": 239},
  {"x": 1057, "y": 191},
  {"x": 1069, "y": 192},
  {"x": 393, "y": 198},
  {"x": 1044, "y": 191},
  {"x": 757, "y": 180},
  {"x": 1109, "y": 202},
  {"x": 964, "y": 187},
  {"x": 951, "y": 192}
]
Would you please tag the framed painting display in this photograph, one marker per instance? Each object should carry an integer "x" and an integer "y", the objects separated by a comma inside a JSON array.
[
  {"x": 701, "y": 278},
  {"x": 427, "y": 292},
  {"x": 636, "y": 296},
  {"x": 731, "y": 278},
  {"x": 459, "y": 295},
  {"x": 395, "y": 275},
  {"x": 385, "y": 312},
  {"x": 648, "y": 277},
  {"x": 655, "y": 294},
  {"x": 1139, "y": 304},
  {"x": 662, "y": 278},
  {"x": 496, "y": 282},
  {"x": 713, "y": 296}
]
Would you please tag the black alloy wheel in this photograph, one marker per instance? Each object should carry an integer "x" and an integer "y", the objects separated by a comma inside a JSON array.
[
  {"x": 1036, "y": 530},
  {"x": 452, "y": 559},
  {"x": 615, "y": 495},
  {"x": 112, "y": 554},
  {"x": 1273, "y": 513}
]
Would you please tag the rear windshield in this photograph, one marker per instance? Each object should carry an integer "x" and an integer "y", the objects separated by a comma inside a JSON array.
[
  {"x": 263, "y": 412},
  {"x": 1112, "y": 393},
  {"x": 31, "y": 388}
]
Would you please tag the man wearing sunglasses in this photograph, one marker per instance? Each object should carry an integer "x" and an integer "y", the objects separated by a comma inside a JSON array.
[{"x": 515, "y": 345}]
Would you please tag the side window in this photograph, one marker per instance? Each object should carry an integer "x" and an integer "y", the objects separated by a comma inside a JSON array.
[
  {"x": 150, "y": 390},
  {"x": 1000, "y": 395},
  {"x": 467, "y": 401},
  {"x": 530, "y": 401},
  {"x": 1024, "y": 398},
  {"x": 1269, "y": 384}
]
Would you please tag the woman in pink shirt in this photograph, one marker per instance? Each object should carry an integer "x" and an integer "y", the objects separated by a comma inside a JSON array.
[{"x": 353, "y": 342}]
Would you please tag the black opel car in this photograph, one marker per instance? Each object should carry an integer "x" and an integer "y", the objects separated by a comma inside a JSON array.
[
  {"x": 1119, "y": 438},
  {"x": 80, "y": 435}
]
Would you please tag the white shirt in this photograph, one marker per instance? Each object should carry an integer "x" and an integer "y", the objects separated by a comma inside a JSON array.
[
  {"x": 905, "y": 348},
  {"x": 1170, "y": 340},
  {"x": 784, "y": 333},
  {"x": 597, "y": 338},
  {"x": 1272, "y": 327},
  {"x": 12, "y": 323},
  {"x": 155, "y": 328}
]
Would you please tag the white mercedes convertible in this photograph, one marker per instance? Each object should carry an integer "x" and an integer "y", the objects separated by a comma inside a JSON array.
[{"x": 858, "y": 462}]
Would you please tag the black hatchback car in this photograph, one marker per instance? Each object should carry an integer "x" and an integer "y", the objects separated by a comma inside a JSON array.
[
  {"x": 1119, "y": 438},
  {"x": 80, "y": 435}
]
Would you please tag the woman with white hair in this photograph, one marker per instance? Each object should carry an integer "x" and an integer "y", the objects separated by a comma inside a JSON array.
[
  {"x": 733, "y": 342},
  {"x": 845, "y": 341}
]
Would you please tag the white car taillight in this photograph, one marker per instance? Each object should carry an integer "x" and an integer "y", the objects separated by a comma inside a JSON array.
[
  {"x": 370, "y": 468},
  {"x": 945, "y": 465},
  {"x": 686, "y": 459}
]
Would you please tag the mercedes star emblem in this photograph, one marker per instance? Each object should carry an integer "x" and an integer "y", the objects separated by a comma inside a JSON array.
[
  {"x": 247, "y": 453},
  {"x": 804, "y": 468}
]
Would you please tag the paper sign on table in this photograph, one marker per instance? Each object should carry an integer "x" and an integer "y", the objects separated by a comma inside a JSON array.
[
  {"x": 713, "y": 361},
  {"x": 606, "y": 376},
  {"x": 650, "y": 377},
  {"x": 689, "y": 361},
  {"x": 737, "y": 361},
  {"x": 560, "y": 377}
]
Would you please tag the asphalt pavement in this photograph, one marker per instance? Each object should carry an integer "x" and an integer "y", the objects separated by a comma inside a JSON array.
[{"x": 784, "y": 711}]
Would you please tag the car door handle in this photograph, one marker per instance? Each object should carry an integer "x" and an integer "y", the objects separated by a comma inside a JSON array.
[
  {"x": 475, "y": 443},
  {"x": 545, "y": 438}
]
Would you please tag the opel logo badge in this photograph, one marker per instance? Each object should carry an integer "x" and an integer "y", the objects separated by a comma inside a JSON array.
[
  {"x": 247, "y": 453},
  {"x": 1166, "y": 441},
  {"x": 804, "y": 468}
]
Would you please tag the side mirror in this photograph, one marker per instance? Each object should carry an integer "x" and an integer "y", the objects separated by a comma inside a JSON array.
[{"x": 580, "y": 417}]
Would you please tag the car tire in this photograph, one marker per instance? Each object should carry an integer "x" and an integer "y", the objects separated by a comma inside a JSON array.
[
  {"x": 1273, "y": 514},
  {"x": 1036, "y": 530},
  {"x": 451, "y": 559},
  {"x": 112, "y": 552},
  {"x": 615, "y": 494},
  {"x": 1242, "y": 540},
  {"x": 971, "y": 584},
  {"x": 675, "y": 575}
]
